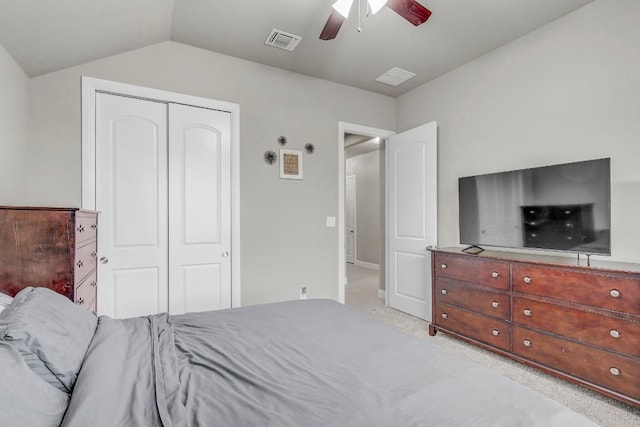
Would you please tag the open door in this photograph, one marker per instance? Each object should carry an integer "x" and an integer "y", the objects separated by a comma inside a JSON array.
[{"x": 411, "y": 164}]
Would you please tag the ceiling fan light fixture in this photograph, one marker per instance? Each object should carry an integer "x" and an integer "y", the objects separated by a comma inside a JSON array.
[
  {"x": 343, "y": 7},
  {"x": 376, "y": 5}
]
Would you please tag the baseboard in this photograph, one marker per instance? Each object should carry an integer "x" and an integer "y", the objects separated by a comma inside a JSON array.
[
  {"x": 367, "y": 265},
  {"x": 382, "y": 294}
]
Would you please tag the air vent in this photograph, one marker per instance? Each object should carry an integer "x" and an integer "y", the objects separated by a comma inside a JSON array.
[
  {"x": 282, "y": 40},
  {"x": 395, "y": 76}
]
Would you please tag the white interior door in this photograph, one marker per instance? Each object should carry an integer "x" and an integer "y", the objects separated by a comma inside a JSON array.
[
  {"x": 199, "y": 209},
  {"x": 411, "y": 164},
  {"x": 350, "y": 219},
  {"x": 131, "y": 196}
]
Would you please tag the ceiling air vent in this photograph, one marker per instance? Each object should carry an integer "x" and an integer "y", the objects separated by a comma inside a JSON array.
[
  {"x": 282, "y": 40},
  {"x": 395, "y": 76}
]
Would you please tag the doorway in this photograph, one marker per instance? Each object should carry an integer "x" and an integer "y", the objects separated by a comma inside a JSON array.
[
  {"x": 410, "y": 215},
  {"x": 350, "y": 216},
  {"x": 364, "y": 219},
  {"x": 363, "y": 148}
]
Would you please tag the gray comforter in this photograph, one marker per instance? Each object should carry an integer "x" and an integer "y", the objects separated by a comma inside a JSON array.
[{"x": 301, "y": 363}]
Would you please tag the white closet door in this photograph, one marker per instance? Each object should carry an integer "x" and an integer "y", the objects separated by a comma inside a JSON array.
[
  {"x": 131, "y": 196},
  {"x": 199, "y": 209}
]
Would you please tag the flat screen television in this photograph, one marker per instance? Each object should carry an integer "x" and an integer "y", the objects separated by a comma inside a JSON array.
[{"x": 564, "y": 207}]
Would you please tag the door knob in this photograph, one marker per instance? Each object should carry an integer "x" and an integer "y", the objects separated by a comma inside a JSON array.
[
  {"x": 104, "y": 260},
  {"x": 225, "y": 254}
]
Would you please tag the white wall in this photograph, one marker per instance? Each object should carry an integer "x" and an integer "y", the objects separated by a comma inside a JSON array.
[
  {"x": 366, "y": 169},
  {"x": 285, "y": 242},
  {"x": 14, "y": 90},
  {"x": 569, "y": 91}
]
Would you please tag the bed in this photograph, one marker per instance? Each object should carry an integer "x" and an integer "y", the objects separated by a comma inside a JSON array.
[{"x": 298, "y": 363}]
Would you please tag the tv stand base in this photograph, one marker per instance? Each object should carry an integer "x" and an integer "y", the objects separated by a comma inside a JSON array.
[{"x": 473, "y": 250}]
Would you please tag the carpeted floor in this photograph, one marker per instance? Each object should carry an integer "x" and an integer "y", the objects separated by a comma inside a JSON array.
[{"x": 362, "y": 293}]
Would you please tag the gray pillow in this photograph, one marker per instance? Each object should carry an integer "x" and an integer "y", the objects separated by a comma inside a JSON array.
[
  {"x": 27, "y": 400},
  {"x": 51, "y": 333},
  {"x": 5, "y": 301}
]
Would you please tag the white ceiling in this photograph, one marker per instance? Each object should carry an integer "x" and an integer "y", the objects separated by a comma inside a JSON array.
[
  {"x": 355, "y": 145},
  {"x": 49, "y": 35}
]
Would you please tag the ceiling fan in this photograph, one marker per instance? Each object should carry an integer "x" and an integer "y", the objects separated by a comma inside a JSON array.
[{"x": 410, "y": 10}]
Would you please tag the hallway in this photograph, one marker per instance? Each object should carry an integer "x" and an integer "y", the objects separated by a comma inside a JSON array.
[{"x": 362, "y": 288}]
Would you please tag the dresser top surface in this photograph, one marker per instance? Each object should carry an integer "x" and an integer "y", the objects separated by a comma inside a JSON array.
[
  {"x": 569, "y": 261},
  {"x": 42, "y": 208}
]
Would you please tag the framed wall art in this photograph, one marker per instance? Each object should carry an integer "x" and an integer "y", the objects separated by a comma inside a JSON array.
[{"x": 290, "y": 164}]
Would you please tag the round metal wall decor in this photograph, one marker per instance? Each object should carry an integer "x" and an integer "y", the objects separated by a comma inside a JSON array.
[
  {"x": 282, "y": 140},
  {"x": 270, "y": 157},
  {"x": 309, "y": 148}
]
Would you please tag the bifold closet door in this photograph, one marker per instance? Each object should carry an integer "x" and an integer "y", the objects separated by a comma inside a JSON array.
[
  {"x": 131, "y": 196},
  {"x": 163, "y": 192},
  {"x": 199, "y": 209}
]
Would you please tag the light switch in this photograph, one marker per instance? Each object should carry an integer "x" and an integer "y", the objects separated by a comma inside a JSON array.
[{"x": 331, "y": 221}]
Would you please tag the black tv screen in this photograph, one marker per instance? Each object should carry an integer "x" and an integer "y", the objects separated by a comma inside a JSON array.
[{"x": 563, "y": 207}]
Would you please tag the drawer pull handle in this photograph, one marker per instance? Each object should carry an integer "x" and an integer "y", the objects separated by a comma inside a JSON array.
[
  {"x": 80, "y": 301},
  {"x": 495, "y": 304},
  {"x": 614, "y": 371},
  {"x": 445, "y": 315},
  {"x": 80, "y": 228},
  {"x": 94, "y": 226},
  {"x": 443, "y": 266},
  {"x": 495, "y": 274},
  {"x": 444, "y": 292},
  {"x": 495, "y": 332},
  {"x": 614, "y": 333},
  {"x": 93, "y": 254},
  {"x": 614, "y": 293},
  {"x": 527, "y": 312},
  {"x": 527, "y": 280},
  {"x": 80, "y": 264},
  {"x": 93, "y": 283},
  {"x": 526, "y": 343}
]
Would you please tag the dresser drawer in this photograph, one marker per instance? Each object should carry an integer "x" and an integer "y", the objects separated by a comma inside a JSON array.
[
  {"x": 86, "y": 226},
  {"x": 605, "y": 369},
  {"x": 473, "y": 270},
  {"x": 472, "y": 298},
  {"x": 85, "y": 293},
  {"x": 490, "y": 331},
  {"x": 615, "y": 334},
  {"x": 597, "y": 289},
  {"x": 93, "y": 308},
  {"x": 85, "y": 261}
]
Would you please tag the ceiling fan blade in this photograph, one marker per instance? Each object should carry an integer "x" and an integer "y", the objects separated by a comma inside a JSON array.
[
  {"x": 331, "y": 28},
  {"x": 410, "y": 10}
]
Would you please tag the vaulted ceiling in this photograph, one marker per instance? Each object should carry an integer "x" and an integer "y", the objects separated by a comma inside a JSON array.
[{"x": 49, "y": 35}]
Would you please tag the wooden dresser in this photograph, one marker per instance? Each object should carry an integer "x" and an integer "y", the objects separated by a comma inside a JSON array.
[
  {"x": 575, "y": 322},
  {"x": 51, "y": 247}
]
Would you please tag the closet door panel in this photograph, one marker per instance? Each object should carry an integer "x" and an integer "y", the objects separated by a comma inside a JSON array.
[
  {"x": 199, "y": 209},
  {"x": 135, "y": 203},
  {"x": 202, "y": 287},
  {"x": 131, "y": 194},
  {"x": 201, "y": 185},
  {"x": 136, "y": 292}
]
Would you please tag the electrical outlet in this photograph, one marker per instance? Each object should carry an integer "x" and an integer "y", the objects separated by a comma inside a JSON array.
[{"x": 303, "y": 292}]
